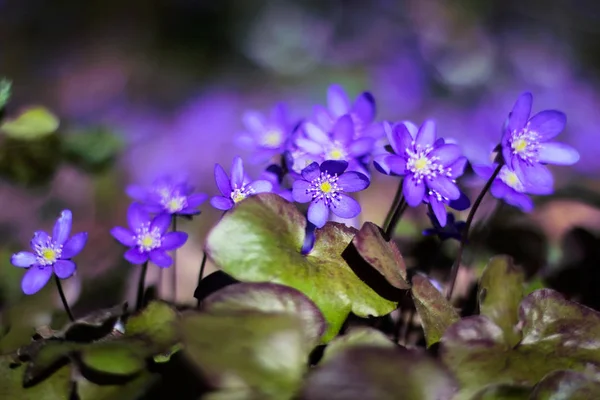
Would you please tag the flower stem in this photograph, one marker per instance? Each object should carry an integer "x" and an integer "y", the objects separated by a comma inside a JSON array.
[
  {"x": 174, "y": 267},
  {"x": 63, "y": 298},
  {"x": 202, "y": 266},
  {"x": 465, "y": 232},
  {"x": 141, "y": 285},
  {"x": 396, "y": 210}
]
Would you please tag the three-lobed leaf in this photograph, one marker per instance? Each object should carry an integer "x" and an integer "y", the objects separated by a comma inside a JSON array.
[
  {"x": 260, "y": 241},
  {"x": 271, "y": 298},
  {"x": 436, "y": 313},
  {"x": 262, "y": 354},
  {"x": 556, "y": 333},
  {"x": 375, "y": 372},
  {"x": 500, "y": 293}
]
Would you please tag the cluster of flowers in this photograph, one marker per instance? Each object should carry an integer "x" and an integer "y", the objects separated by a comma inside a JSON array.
[
  {"x": 319, "y": 161},
  {"x": 344, "y": 136}
]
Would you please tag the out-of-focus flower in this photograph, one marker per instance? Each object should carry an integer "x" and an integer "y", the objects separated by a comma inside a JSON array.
[
  {"x": 526, "y": 145},
  {"x": 274, "y": 174},
  {"x": 147, "y": 237},
  {"x": 266, "y": 136},
  {"x": 236, "y": 188},
  {"x": 338, "y": 144},
  {"x": 508, "y": 187},
  {"x": 325, "y": 186},
  {"x": 362, "y": 113},
  {"x": 50, "y": 253},
  {"x": 169, "y": 194},
  {"x": 452, "y": 230},
  {"x": 429, "y": 165}
]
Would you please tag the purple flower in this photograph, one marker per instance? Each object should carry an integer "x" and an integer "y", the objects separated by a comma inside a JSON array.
[
  {"x": 266, "y": 136},
  {"x": 452, "y": 230},
  {"x": 362, "y": 112},
  {"x": 508, "y": 187},
  {"x": 526, "y": 145},
  {"x": 147, "y": 237},
  {"x": 339, "y": 144},
  {"x": 50, "y": 253},
  {"x": 429, "y": 165},
  {"x": 169, "y": 194},
  {"x": 325, "y": 187},
  {"x": 236, "y": 188}
]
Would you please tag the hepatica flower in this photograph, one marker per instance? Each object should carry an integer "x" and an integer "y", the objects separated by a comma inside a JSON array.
[
  {"x": 325, "y": 187},
  {"x": 50, "y": 254},
  {"x": 170, "y": 195},
  {"x": 339, "y": 144},
  {"x": 508, "y": 187},
  {"x": 527, "y": 145},
  {"x": 237, "y": 187},
  {"x": 362, "y": 112},
  {"x": 266, "y": 136},
  {"x": 147, "y": 237},
  {"x": 429, "y": 165}
]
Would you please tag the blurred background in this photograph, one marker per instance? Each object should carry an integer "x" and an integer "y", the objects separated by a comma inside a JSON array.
[{"x": 144, "y": 87}]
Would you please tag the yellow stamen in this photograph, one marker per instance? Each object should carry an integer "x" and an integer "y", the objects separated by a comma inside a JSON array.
[
  {"x": 272, "y": 138},
  {"x": 520, "y": 145},
  {"x": 336, "y": 154},
  {"x": 49, "y": 254},
  {"x": 326, "y": 187},
  {"x": 147, "y": 241},
  {"x": 421, "y": 163}
]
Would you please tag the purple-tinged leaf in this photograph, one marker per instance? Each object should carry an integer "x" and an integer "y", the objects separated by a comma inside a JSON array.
[
  {"x": 570, "y": 385},
  {"x": 436, "y": 313},
  {"x": 381, "y": 254},
  {"x": 500, "y": 293},
  {"x": 269, "y": 297},
  {"x": 368, "y": 372}
]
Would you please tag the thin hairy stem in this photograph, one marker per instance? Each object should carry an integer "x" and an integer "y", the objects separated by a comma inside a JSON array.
[
  {"x": 63, "y": 298},
  {"x": 395, "y": 212},
  {"x": 174, "y": 267},
  {"x": 141, "y": 285}
]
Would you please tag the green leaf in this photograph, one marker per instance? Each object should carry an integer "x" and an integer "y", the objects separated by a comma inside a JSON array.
[
  {"x": 117, "y": 358},
  {"x": 133, "y": 389},
  {"x": 500, "y": 292},
  {"x": 503, "y": 392},
  {"x": 260, "y": 241},
  {"x": 436, "y": 313},
  {"x": 356, "y": 337},
  {"x": 369, "y": 372},
  {"x": 92, "y": 149},
  {"x": 269, "y": 297},
  {"x": 476, "y": 350},
  {"x": 48, "y": 355},
  {"x": 381, "y": 254},
  {"x": 156, "y": 326},
  {"x": 5, "y": 92},
  {"x": 570, "y": 385},
  {"x": 32, "y": 124},
  {"x": 56, "y": 387},
  {"x": 29, "y": 162},
  {"x": 262, "y": 352}
]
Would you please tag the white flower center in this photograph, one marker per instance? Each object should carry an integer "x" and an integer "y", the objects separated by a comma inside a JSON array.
[
  {"x": 525, "y": 144},
  {"x": 325, "y": 188},
  {"x": 174, "y": 202},
  {"x": 511, "y": 179},
  {"x": 422, "y": 164},
  {"x": 146, "y": 239},
  {"x": 239, "y": 194},
  {"x": 48, "y": 252},
  {"x": 336, "y": 151},
  {"x": 273, "y": 138}
]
